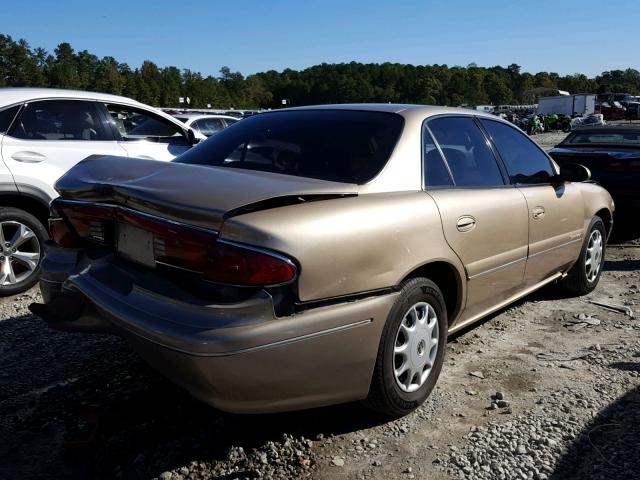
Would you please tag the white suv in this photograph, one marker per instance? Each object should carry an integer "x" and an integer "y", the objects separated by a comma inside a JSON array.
[{"x": 43, "y": 133}]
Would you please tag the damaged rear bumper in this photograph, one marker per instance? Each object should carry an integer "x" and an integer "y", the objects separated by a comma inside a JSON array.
[{"x": 237, "y": 357}]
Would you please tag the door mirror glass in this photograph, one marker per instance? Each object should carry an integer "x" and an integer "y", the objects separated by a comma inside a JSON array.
[
  {"x": 191, "y": 136},
  {"x": 574, "y": 172}
]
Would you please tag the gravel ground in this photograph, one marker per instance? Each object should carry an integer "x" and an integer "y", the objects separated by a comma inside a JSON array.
[{"x": 548, "y": 388}]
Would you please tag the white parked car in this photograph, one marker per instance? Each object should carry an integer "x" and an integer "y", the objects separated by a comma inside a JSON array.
[
  {"x": 43, "y": 133},
  {"x": 207, "y": 125}
]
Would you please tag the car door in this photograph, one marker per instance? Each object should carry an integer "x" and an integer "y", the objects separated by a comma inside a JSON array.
[
  {"x": 145, "y": 134},
  {"x": 483, "y": 218},
  {"x": 556, "y": 217},
  {"x": 51, "y": 136},
  {"x": 7, "y": 116}
]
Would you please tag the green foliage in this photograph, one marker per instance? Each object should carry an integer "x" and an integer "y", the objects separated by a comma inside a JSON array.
[{"x": 21, "y": 65}]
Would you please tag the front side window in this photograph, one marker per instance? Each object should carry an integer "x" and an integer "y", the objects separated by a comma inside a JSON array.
[
  {"x": 6, "y": 117},
  {"x": 136, "y": 124},
  {"x": 209, "y": 126},
  {"x": 525, "y": 162},
  {"x": 465, "y": 149},
  {"x": 436, "y": 174},
  {"x": 338, "y": 145},
  {"x": 60, "y": 120}
]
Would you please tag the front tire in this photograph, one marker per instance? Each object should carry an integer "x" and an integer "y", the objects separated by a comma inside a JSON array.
[
  {"x": 22, "y": 238},
  {"x": 585, "y": 274},
  {"x": 411, "y": 350}
]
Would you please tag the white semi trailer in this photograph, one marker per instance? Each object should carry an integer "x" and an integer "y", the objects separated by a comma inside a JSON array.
[{"x": 581, "y": 104}]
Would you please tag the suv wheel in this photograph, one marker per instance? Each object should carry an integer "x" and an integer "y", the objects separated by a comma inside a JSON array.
[
  {"x": 411, "y": 350},
  {"x": 22, "y": 238}
]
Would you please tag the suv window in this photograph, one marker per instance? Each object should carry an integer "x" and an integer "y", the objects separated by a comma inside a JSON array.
[
  {"x": 209, "y": 126},
  {"x": 468, "y": 155},
  {"x": 339, "y": 145},
  {"x": 135, "y": 124},
  {"x": 60, "y": 120},
  {"x": 436, "y": 174},
  {"x": 525, "y": 162},
  {"x": 6, "y": 117}
]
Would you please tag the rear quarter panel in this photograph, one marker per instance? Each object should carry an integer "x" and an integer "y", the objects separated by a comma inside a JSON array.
[{"x": 350, "y": 245}]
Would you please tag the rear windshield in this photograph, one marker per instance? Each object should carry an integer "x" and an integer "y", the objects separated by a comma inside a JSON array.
[
  {"x": 616, "y": 138},
  {"x": 337, "y": 145}
]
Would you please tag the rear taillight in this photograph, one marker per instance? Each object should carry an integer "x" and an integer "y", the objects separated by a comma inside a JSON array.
[
  {"x": 91, "y": 222},
  {"x": 61, "y": 234},
  {"x": 176, "y": 245},
  {"x": 240, "y": 265}
]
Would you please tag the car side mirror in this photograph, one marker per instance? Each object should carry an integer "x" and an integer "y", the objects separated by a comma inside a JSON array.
[
  {"x": 191, "y": 137},
  {"x": 573, "y": 172}
]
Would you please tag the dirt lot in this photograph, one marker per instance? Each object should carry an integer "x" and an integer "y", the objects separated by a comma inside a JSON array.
[{"x": 549, "y": 388}]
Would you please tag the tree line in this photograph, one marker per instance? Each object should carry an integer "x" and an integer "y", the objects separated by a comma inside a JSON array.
[{"x": 24, "y": 66}]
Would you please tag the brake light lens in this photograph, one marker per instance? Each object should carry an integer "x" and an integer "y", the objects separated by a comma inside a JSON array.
[
  {"x": 239, "y": 265},
  {"x": 175, "y": 245},
  {"x": 61, "y": 234}
]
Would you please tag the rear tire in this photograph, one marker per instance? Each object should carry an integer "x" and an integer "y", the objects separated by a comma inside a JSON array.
[
  {"x": 413, "y": 342},
  {"x": 585, "y": 273},
  {"x": 22, "y": 238}
]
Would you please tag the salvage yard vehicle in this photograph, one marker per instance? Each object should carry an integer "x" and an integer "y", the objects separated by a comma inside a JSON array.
[
  {"x": 329, "y": 263},
  {"x": 43, "y": 133},
  {"x": 612, "y": 154},
  {"x": 206, "y": 124}
]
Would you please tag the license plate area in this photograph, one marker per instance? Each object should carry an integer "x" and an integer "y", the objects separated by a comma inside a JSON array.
[{"x": 135, "y": 244}]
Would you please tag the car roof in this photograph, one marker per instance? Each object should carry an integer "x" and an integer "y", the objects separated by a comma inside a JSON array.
[
  {"x": 203, "y": 115},
  {"x": 424, "y": 110},
  {"x": 11, "y": 95}
]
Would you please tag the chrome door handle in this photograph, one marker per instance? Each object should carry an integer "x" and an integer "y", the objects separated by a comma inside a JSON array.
[
  {"x": 466, "y": 223},
  {"x": 538, "y": 212},
  {"x": 28, "y": 157}
]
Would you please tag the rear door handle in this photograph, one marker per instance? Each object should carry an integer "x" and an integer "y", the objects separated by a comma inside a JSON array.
[
  {"x": 538, "y": 212},
  {"x": 28, "y": 157},
  {"x": 466, "y": 223}
]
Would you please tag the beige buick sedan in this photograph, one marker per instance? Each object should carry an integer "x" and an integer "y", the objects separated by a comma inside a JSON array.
[{"x": 318, "y": 255}]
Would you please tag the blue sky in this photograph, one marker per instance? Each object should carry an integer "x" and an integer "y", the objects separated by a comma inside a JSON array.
[{"x": 565, "y": 36}]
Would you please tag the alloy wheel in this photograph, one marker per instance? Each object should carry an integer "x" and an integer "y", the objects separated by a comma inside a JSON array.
[{"x": 19, "y": 252}]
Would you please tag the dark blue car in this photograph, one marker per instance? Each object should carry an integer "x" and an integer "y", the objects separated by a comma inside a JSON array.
[{"x": 612, "y": 154}]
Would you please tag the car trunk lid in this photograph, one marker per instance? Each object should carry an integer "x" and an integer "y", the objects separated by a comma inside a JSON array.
[{"x": 202, "y": 196}]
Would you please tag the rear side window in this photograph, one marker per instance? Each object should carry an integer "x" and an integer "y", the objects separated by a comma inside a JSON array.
[
  {"x": 60, "y": 120},
  {"x": 465, "y": 149},
  {"x": 337, "y": 145},
  {"x": 6, "y": 117},
  {"x": 436, "y": 174},
  {"x": 525, "y": 162}
]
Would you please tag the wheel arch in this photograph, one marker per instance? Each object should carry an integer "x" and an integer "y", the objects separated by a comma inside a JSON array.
[
  {"x": 35, "y": 205},
  {"x": 607, "y": 218},
  {"x": 448, "y": 279}
]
